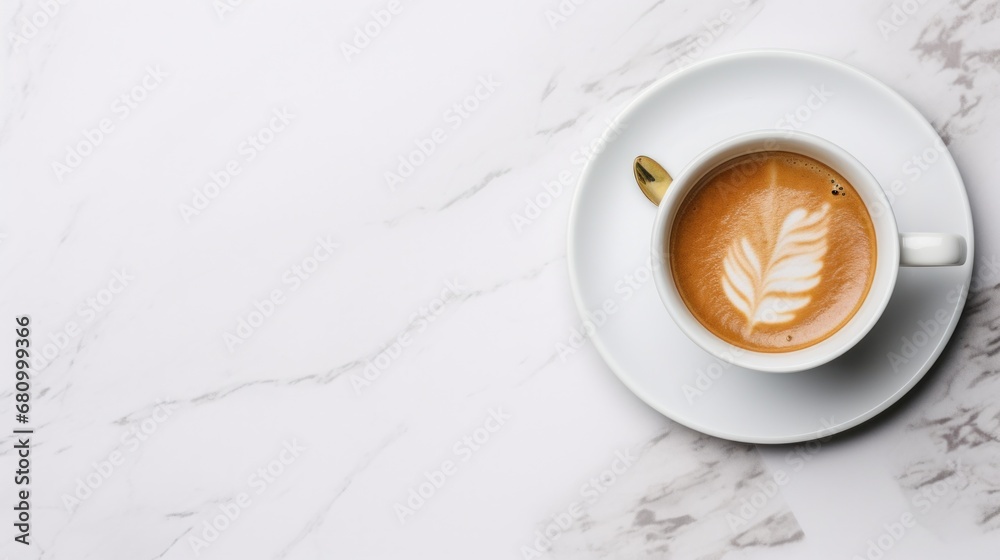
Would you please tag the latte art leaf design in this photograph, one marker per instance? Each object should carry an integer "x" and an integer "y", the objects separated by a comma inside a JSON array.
[{"x": 771, "y": 291}]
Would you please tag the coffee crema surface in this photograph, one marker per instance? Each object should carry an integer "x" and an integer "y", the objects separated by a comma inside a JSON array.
[{"x": 773, "y": 251}]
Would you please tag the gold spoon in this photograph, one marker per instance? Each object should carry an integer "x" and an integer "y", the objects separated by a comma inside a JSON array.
[{"x": 653, "y": 179}]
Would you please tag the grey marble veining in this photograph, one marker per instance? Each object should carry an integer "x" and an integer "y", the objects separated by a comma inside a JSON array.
[
  {"x": 952, "y": 447},
  {"x": 688, "y": 496},
  {"x": 969, "y": 60}
]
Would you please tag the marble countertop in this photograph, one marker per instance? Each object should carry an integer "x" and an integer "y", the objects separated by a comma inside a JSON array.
[{"x": 288, "y": 301}]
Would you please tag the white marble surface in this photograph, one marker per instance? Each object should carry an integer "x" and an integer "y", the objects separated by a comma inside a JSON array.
[{"x": 173, "y": 413}]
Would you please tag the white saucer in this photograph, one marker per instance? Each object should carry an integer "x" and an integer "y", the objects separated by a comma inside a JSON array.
[{"x": 675, "y": 119}]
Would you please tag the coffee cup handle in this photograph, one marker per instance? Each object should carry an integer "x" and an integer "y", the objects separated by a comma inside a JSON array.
[{"x": 931, "y": 249}]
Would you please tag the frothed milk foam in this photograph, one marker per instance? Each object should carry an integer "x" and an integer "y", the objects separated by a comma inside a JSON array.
[{"x": 773, "y": 251}]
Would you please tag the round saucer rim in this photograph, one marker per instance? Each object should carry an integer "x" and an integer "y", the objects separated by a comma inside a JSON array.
[{"x": 841, "y": 426}]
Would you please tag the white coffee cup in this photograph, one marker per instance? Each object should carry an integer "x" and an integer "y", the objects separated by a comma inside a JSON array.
[{"x": 893, "y": 249}]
